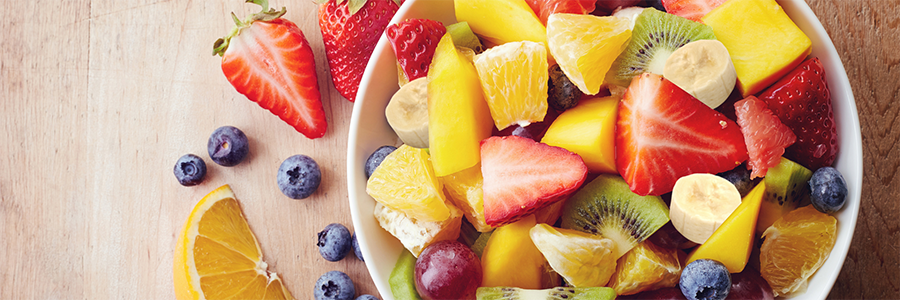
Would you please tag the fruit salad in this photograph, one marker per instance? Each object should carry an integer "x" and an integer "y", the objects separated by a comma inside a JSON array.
[{"x": 567, "y": 150}]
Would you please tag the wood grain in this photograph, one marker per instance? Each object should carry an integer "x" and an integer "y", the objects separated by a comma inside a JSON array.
[{"x": 98, "y": 98}]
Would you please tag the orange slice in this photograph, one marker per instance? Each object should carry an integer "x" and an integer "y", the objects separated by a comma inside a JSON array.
[
  {"x": 795, "y": 247},
  {"x": 646, "y": 267},
  {"x": 405, "y": 181},
  {"x": 514, "y": 82},
  {"x": 585, "y": 46},
  {"x": 218, "y": 257}
]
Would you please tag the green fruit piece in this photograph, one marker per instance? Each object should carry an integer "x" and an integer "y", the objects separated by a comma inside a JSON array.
[
  {"x": 464, "y": 37},
  {"x": 786, "y": 189},
  {"x": 606, "y": 206},
  {"x": 558, "y": 293},
  {"x": 403, "y": 277},
  {"x": 467, "y": 233},
  {"x": 478, "y": 246},
  {"x": 655, "y": 36}
]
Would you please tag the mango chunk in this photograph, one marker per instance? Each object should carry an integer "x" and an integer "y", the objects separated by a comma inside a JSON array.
[
  {"x": 458, "y": 116},
  {"x": 732, "y": 242},
  {"x": 501, "y": 21},
  {"x": 511, "y": 258},
  {"x": 763, "y": 42},
  {"x": 588, "y": 129}
]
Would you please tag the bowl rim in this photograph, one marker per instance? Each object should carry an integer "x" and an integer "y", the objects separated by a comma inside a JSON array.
[{"x": 838, "y": 82}]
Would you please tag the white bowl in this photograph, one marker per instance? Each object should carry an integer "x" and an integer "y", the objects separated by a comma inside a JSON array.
[{"x": 369, "y": 130}]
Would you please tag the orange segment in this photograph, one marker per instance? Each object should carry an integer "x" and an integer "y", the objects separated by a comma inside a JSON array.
[
  {"x": 514, "y": 82},
  {"x": 217, "y": 255},
  {"x": 795, "y": 247},
  {"x": 646, "y": 267},
  {"x": 405, "y": 181},
  {"x": 585, "y": 46}
]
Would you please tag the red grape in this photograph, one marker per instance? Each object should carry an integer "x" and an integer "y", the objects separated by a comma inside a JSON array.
[
  {"x": 670, "y": 293},
  {"x": 447, "y": 270},
  {"x": 748, "y": 284}
]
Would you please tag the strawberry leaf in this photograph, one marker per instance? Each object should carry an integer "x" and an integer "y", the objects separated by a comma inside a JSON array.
[{"x": 355, "y": 5}]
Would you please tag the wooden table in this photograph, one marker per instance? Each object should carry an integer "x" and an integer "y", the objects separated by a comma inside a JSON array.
[{"x": 98, "y": 99}]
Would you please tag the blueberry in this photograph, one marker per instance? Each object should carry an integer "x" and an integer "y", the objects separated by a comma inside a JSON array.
[
  {"x": 828, "y": 190},
  {"x": 705, "y": 279},
  {"x": 299, "y": 176},
  {"x": 376, "y": 158},
  {"x": 356, "y": 251},
  {"x": 334, "y": 285},
  {"x": 740, "y": 177},
  {"x": 366, "y": 297},
  {"x": 334, "y": 242},
  {"x": 562, "y": 94},
  {"x": 227, "y": 146},
  {"x": 190, "y": 170},
  {"x": 522, "y": 132}
]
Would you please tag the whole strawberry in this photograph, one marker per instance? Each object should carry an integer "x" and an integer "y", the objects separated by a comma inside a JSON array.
[
  {"x": 414, "y": 41},
  {"x": 350, "y": 30},
  {"x": 267, "y": 59},
  {"x": 802, "y": 101}
]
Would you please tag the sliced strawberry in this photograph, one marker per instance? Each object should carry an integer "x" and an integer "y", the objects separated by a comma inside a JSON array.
[
  {"x": 544, "y": 8},
  {"x": 350, "y": 30},
  {"x": 802, "y": 101},
  {"x": 522, "y": 176},
  {"x": 664, "y": 133},
  {"x": 691, "y": 9},
  {"x": 267, "y": 59},
  {"x": 414, "y": 41},
  {"x": 765, "y": 135}
]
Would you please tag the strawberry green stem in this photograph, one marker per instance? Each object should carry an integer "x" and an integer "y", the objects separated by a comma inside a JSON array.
[{"x": 266, "y": 14}]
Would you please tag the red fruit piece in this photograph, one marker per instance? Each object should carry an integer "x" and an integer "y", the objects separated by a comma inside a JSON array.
[
  {"x": 414, "y": 41},
  {"x": 544, "y": 8},
  {"x": 691, "y": 9},
  {"x": 267, "y": 59},
  {"x": 522, "y": 176},
  {"x": 765, "y": 136},
  {"x": 802, "y": 101},
  {"x": 350, "y": 31},
  {"x": 664, "y": 133}
]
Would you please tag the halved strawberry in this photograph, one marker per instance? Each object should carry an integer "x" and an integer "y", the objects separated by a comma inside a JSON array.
[
  {"x": 267, "y": 59},
  {"x": 765, "y": 135},
  {"x": 802, "y": 101},
  {"x": 522, "y": 176},
  {"x": 350, "y": 30},
  {"x": 414, "y": 41},
  {"x": 691, "y": 9},
  {"x": 664, "y": 133}
]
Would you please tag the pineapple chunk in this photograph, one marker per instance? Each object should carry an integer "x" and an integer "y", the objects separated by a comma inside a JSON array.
[{"x": 415, "y": 235}]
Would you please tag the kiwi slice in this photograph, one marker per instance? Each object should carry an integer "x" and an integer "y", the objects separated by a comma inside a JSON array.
[
  {"x": 786, "y": 188},
  {"x": 464, "y": 37},
  {"x": 481, "y": 242},
  {"x": 607, "y": 207},
  {"x": 655, "y": 36},
  {"x": 558, "y": 293},
  {"x": 403, "y": 277}
]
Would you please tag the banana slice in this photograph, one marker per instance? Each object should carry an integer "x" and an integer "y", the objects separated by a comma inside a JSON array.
[
  {"x": 407, "y": 113},
  {"x": 703, "y": 69},
  {"x": 700, "y": 203}
]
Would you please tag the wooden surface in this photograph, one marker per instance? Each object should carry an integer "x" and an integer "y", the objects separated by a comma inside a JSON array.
[{"x": 98, "y": 99}]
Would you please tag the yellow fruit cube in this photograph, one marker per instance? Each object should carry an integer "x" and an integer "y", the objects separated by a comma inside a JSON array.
[
  {"x": 501, "y": 21},
  {"x": 405, "y": 181},
  {"x": 514, "y": 80},
  {"x": 464, "y": 190},
  {"x": 511, "y": 259},
  {"x": 416, "y": 235},
  {"x": 589, "y": 130},
  {"x": 763, "y": 41},
  {"x": 732, "y": 242},
  {"x": 458, "y": 117}
]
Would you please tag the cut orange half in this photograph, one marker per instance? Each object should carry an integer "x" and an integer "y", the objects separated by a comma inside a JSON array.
[{"x": 218, "y": 257}]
